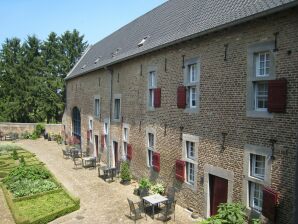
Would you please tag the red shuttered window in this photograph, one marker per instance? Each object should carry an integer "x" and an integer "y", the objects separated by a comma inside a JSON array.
[
  {"x": 277, "y": 95},
  {"x": 156, "y": 161},
  {"x": 270, "y": 200},
  {"x": 129, "y": 152},
  {"x": 157, "y": 97},
  {"x": 181, "y": 97},
  {"x": 180, "y": 170},
  {"x": 102, "y": 142}
]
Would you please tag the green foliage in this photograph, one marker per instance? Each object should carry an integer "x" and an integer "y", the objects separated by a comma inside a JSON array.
[
  {"x": 14, "y": 154},
  {"x": 157, "y": 189},
  {"x": 228, "y": 213},
  {"x": 32, "y": 76},
  {"x": 255, "y": 221},
  {"x": 22, "y": 160},
  {"x": 125, "y": 172},
  {"x": 39, "y": 129},
  {"x": 144, "y": 183}
]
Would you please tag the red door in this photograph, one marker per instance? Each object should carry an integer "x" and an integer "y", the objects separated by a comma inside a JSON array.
[{"x": 218, "y": 192}]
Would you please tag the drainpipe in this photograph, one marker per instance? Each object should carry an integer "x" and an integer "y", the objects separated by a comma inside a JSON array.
[
  {"x": 296, "y": 188},
  {"x": 109, "y": 145}
]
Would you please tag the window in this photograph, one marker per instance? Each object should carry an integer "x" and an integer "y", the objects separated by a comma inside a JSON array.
[
  {"x": 257, "y": 166},
  {"x": 151, "y": 87},
  {"x": 125, "y": 141},
  {"x": 191, "y": 81},
  {"x": 96, "y": 107},
  {"x": 190, "y": 167},
  {"x": 262, "y": 64},
  {"x": 105, "y": 134},
  {"x": 150, "y": 149},
  {"x": 256, "y": 196},
  {"x": 91, "y": 129},
  {"x": 261, "y": 70},
  {"x": 117, "y": 109}
]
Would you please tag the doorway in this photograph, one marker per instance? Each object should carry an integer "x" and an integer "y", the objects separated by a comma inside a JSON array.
[
  {"x": 96, "y": 145},
  {"x": 116, "y": 156},
  {"x": 218, "y": 192}
]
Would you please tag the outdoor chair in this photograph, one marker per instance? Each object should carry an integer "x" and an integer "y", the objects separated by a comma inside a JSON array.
[
  {"x": 170, "y": 193},
  {"x": 66, "y": 153},
  {"x": 136, "y": 213},
  {"x": 168, "y": 210},
  {"x": 77, "y": 162}
]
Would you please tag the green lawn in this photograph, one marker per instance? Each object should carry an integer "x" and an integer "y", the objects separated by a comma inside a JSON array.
[{"x": 39, "y": 208}]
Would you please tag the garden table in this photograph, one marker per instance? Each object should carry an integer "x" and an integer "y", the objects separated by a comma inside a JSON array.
[
  {"x": 89, "y": 161},
  {"x": 154, "y": 199}
]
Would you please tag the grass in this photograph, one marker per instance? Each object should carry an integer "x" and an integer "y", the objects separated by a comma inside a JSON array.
[{"x": 40, "y": 208}]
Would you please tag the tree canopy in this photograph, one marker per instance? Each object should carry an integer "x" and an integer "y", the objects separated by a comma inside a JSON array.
[{"x": 32, "y": 86}]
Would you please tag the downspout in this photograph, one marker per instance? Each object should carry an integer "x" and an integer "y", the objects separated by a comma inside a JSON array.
[
  {"x": 110, "y": 118},
  {"x": 296, "y": 187}
]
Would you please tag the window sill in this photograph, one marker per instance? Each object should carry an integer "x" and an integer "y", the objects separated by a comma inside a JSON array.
[
  {"x": 191, "y": 110},
  {"x": 259, "y": 114},
  {"x": 116, "y": 120},
  {"x": 190, "y": 186},
  {"x": 150, "y": 109}
]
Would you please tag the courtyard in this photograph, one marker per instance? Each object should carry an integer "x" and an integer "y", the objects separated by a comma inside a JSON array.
[{"x": 101, "y": 202}]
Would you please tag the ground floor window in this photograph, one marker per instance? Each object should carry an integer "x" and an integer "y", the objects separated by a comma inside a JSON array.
[{"x": 255, "y": 196}]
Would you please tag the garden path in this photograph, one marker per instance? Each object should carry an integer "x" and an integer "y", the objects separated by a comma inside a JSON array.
[{"x": 101, "y": 202}]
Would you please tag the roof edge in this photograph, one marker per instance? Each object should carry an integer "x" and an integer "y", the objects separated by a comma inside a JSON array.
[
  {"x": 218, "y": 28},
  {"x": 76, "y": 64}
]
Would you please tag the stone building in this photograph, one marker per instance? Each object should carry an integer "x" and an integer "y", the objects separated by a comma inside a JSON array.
[{"x": 200, "y": 95}]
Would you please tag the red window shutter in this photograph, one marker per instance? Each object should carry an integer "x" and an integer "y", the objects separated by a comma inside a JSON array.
[
  {"x": 180, "y": 170},
  {"x": 129, "y": 152},
  {"x": 270, "y": 200},
  {"x": 102, "y": 142},
  {"x": 156, "y": 161},
  {"x": 157, "y": 97},
  {"x": 277, "y": 95},
  {"x": 181, "y": 97}
]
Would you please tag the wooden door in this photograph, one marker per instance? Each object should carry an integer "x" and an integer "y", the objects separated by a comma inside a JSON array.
[
  {"x": 96, "y": 144},
  {"x": 218, "y": 192}
]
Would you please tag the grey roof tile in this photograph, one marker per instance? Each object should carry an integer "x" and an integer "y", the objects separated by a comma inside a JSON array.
[{"x": 170, "y": 22}]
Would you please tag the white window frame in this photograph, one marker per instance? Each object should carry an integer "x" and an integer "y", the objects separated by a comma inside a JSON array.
[
  {"x": 116, "y": 97},
  {"x": 256, "y": 96},
  {"x": 90, "y": 128},
  {"x": 106, "y": 132},
  {"x": 250, "y": 177},
  {"x": 192, "y": 83},
  {"x": 254, "y": 77},
  {"x": 252, "y": 198},
  {"x": 190, "y": 142},
  {"x": 149, "y": 148},
  {"x": 97, "y": 107},
  {"x": 151, "y": 86},
  {"x": 125, "y": 140},
  {"x": 253, "y": 161}
]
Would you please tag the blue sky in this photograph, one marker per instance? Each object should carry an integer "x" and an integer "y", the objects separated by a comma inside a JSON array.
[{"x": 94, "y": 18}]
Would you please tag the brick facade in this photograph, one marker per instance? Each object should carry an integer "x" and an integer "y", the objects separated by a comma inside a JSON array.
[{"x": 222, "y": 108}]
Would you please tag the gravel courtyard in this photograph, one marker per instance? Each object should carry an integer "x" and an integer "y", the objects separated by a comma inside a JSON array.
[{"x": 101, "y": 202}]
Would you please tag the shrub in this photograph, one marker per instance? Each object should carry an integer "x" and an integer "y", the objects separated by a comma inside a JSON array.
[
  {"x": 125, "y": 172},
  {"x": 39, "y": 129},
  {"x": 144, "y": 183},
  {"x": 22, "y": 161},
  {"x": 15, "y": 154},
  {"x": 230, "y": 213},
  {"x": 255, "y": 221},
  {"x": 157, "y": 189}
]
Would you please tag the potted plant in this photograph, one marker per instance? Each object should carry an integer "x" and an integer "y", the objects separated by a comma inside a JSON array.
[
  {"x": 125, "y": 173},
  {"x": 144, "y": 187},
  {"x": 157, "y": 189}
]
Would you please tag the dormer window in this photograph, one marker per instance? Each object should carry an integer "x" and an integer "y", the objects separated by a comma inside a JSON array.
[{"x": 142, "y": 42}]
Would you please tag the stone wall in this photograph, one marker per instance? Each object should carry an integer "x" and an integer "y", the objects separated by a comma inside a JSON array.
[
  {"x": 222, "y": 108},
  {"x": 19, "y": 128}
]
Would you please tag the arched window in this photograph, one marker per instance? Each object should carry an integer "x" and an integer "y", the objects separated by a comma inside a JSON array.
[{"x": 76, "y": 123}]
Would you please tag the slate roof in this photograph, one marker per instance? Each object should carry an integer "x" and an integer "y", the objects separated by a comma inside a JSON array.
[{"x": 172, "y": 22}]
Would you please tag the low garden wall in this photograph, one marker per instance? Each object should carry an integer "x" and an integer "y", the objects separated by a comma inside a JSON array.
[{"x": 19, "y": 128}]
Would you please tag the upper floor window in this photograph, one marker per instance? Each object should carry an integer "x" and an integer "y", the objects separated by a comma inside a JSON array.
[
  {"x": 257, "y": 166},
  {"x": 262, "y": 64},
  {"x": 261, "y": 96},
  {"x": 96, "y": 107},
  {"x": 192, "y": 86},
  {"x": 91, "y": 129},
  {"x": 151, "y": 87},
  {"x": 117, "y": 109},
  {"x": 192, "y": 73}
]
